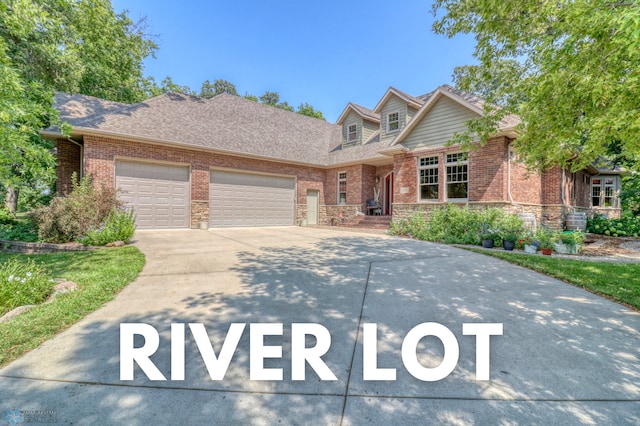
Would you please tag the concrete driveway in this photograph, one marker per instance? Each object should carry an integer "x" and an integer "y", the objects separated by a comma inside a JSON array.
[{"x": 565, "y": 356}]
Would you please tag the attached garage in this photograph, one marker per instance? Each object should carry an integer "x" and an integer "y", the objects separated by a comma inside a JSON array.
[
  {"x": 246, "y": 199},
  {"x": 158, "y": 193}
]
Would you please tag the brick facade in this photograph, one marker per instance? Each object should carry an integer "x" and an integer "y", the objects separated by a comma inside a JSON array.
[
  {"x": 68, "y": 155},
  {"x": 489, "y": 184}
]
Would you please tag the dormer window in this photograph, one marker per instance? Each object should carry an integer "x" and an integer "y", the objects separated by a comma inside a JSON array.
[
  {"x": 393, "y": 122},
  {"x": 352, "y": 133}
]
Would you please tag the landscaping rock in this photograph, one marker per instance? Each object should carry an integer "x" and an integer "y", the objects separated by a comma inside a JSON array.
[
  {"x": 15, "y": 312},
  {"x": 62, "y": 287}
]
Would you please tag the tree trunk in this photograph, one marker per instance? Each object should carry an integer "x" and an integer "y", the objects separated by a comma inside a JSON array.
[{"x": 11, "y": 200}]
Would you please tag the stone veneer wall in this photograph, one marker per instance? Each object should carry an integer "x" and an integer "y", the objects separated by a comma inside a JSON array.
[
  {"x": 552, "y": 217},
  {"x": 199, "y": 213}
]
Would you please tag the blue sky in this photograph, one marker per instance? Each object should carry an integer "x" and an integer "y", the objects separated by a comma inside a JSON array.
[{"x": 327, "y": 53}]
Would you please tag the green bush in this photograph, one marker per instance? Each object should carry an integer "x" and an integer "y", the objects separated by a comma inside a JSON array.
[
  {"x": 22, "y": 284},
  {"x": 16, "y": 228},
  {"x": 119, "y": 226},
  {"x": 455, "y": 225},
  {"x": 70, "y": 218},
  {"x": 627, "y": 226}
]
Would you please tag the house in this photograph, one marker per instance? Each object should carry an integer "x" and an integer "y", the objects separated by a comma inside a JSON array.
[{"x": 183, "y": 162}]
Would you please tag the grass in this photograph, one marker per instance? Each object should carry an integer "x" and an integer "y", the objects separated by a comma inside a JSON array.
[
  {"x": 100, "y": 275},
  {"x": 617, "y": 281}
]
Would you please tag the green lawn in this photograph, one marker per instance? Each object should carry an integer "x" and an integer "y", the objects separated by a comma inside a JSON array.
[
  {"x": 100, "y": 275},
  {"x": 617, "y": 281}
]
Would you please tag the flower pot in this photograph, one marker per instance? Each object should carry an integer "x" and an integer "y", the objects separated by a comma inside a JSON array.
[
  {"x": 546, "y": 251},
  {"x": 529, "y": 248},
  {"x": 509, "y": 245},
  {"x": 487, "y": 243},
  {"x": 565, "y": 248}
]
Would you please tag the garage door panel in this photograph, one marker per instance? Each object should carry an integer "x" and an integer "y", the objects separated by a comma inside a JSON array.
[
  {"x": 245, "y": 199},
  {"x": 158, "y": 193}
]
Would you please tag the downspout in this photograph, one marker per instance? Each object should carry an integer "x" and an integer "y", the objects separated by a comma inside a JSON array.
[{"x": 81, "y": 156}]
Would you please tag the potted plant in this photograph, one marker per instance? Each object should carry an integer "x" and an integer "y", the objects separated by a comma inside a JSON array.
[
  {"x": 509, "y": 239},
  {"x": 528, "y": 244},
  {"x": 568, "y": 242},
  {"x": 488, "y": 237},
  {"x": 544, "y": 238}
]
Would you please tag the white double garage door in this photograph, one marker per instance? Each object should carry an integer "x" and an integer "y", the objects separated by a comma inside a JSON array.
[{"x": 160, "y": 196}]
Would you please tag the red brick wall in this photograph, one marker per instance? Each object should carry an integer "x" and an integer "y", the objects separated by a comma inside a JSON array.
[
  {"x": 526, "y": 185},
  {"x": 551, "y": 186},
  {"x": 405, "y": 176},
  {"x": 368, "y": 183},
  {"x": 68, "y": 156},
  {"x": 488, "y": 171},
  {"x": 100, "y": 154},
  {"x": 354, "y": 185}
]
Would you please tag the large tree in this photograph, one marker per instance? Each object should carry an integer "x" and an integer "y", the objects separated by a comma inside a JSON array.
[
  {"x": 570, "y": 70},
  {"x": 75, "y": 46}
]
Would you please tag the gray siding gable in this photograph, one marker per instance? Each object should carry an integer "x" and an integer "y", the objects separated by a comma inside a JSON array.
[
  {"x": 438, "y": 126},
  {"x": 394, "y": 104}
]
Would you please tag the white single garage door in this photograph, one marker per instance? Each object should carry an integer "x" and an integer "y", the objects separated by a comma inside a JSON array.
[
  {"x": 159, "y": 193},
  {"x": 245, "y": 199}
]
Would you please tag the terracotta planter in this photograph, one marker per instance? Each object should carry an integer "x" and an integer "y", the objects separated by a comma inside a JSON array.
[{"x": 546, "y": 251}]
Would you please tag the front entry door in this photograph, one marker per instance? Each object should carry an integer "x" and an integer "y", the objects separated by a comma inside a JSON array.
[
  {"x": 388, "y": 191},
  {"x": 312, "y": 207}
]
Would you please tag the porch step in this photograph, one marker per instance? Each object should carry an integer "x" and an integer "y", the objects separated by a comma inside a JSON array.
[{"x": 371, "y": 222}]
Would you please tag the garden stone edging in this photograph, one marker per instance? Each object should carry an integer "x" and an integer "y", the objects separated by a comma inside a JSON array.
[{"x": 31, "y": 248}]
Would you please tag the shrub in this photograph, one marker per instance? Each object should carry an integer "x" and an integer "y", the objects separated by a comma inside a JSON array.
[
  {"x": 455, "y": 225},
  {"x": 571, "y": 238},
  {"x": 22, "y": 284},
  {"x": 627, "y": 226},
  {"x": 118, "y": 226},
  {"x": 70, "y": 218},
  {"x": 415, "y": 226},
  {"x": 16, "y": 228}
]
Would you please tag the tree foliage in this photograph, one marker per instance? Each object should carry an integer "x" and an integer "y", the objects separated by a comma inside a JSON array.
[
  {"x": 75, "y": 46},
  {"x": 569, "y": 70},
  {"x": 310, "y": 111},
  {"x": 209, "y": 90}
]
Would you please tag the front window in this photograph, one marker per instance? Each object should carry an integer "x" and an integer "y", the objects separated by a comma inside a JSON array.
[
  {"x": 393, "y": 122},
  {"x": 603, "y": 191},
  {"x": 352, "y": 133},
  {"x": 342, "y": 188},
  {"x": 428, "y": 167},
  {"x": 457, "y": 167}
]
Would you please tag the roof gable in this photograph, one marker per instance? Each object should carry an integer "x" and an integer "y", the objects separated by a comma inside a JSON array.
[
  {"x": 363, "y": 112},
  {"x": 410, "y": 100},
  {"x": 471, "y": 102}
]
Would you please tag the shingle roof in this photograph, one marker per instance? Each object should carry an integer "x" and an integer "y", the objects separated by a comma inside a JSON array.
[
  {"x": 232, "y": 124},
  {"x": 225, "y": 123},
  {"x": 78, "y": 109},
  {"x": 366, "y": 112}
]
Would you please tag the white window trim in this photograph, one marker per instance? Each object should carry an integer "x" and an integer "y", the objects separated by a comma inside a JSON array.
[
  {"x": 437, "y": 167},
  {"x": 446, "y": 164},
  {"x": 345, "y": 188},
  {"x": 615, "y": 198},
  {"x": 388, "y": 127},
  {"x": 355, "y": 138}
]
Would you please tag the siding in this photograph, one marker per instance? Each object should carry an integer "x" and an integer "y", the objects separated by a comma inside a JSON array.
[
  {"x": 368, "y": 129},
  {"x": 394, "y": 104},
  {"x": 350, "y": 119},
  {"x": 444, "y": 119}
]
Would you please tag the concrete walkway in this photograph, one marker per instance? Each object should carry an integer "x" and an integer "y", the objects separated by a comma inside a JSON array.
[{"x": 565, "y": 356}]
